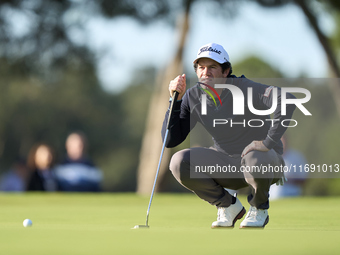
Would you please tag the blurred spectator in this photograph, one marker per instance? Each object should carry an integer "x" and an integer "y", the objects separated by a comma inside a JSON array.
[
  {"x": 16, "y": 178},
  {"x": 40, "y": 163},
  {"x": 77, "y": 172},
  {"x": 296, "y": 180}
]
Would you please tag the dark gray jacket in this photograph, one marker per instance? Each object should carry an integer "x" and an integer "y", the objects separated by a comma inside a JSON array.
[{"x": 233, "y": 137}]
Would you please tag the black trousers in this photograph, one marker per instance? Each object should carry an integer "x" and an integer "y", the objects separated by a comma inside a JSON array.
[{"x": 206, "y": 172}]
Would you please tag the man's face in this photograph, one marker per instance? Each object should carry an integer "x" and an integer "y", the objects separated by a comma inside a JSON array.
[
  {"x": 74, "y": 147},
  {"x": 208, "y": 70}
]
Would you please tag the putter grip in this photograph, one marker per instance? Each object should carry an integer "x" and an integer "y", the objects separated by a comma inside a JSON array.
[{"x": 174, "y": 99}]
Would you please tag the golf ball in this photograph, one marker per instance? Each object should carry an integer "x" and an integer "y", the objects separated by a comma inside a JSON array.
[{"x": 27, "y": 223}]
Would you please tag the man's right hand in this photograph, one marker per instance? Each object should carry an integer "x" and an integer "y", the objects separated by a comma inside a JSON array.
[{"x": 178, "y": 84}]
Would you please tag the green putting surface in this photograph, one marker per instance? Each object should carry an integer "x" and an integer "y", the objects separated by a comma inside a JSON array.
[{"x": 179, "y": 224}]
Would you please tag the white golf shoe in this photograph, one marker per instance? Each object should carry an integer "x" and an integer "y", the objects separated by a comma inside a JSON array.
[
  {"x": 227, "y": 216},
  {"x": 255, "y": 218}
]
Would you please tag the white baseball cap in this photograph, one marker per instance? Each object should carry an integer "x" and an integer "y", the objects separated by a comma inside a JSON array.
[{"x": 213, "y": 51}]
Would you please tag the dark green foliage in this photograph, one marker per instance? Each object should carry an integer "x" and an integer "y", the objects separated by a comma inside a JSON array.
[{"x": 254, "y": 67}]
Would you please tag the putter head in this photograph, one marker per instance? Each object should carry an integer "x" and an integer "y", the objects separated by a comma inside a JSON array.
[{"x": 140, "y": 226}]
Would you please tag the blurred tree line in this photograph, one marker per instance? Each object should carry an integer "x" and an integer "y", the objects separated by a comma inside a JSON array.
[
  {"x": 32, "y": 111},
  {"x": 49, "y": 87}
]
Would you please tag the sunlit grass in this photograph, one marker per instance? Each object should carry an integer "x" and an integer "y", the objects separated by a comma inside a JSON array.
[{"x": 179, "y": 224}]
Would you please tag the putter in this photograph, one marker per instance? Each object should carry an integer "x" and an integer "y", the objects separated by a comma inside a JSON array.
[{"x": 174, "y": 99}]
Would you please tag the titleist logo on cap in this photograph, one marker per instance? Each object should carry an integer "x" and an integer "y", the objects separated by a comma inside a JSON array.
[{"x": 207, "y": 48}]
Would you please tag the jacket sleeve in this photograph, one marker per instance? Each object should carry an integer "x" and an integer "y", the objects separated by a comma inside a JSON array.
[
  {"x": 264, "y": 97},
  {"x": 180, "y": 123}
]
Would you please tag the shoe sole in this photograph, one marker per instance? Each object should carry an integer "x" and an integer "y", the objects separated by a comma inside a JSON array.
[
  {"x": 238, "y": 217},
  {"x": 264, "y": 224}
]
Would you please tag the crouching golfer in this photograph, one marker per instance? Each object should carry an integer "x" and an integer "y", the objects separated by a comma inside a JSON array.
[{"x": 244, "y": 140}]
